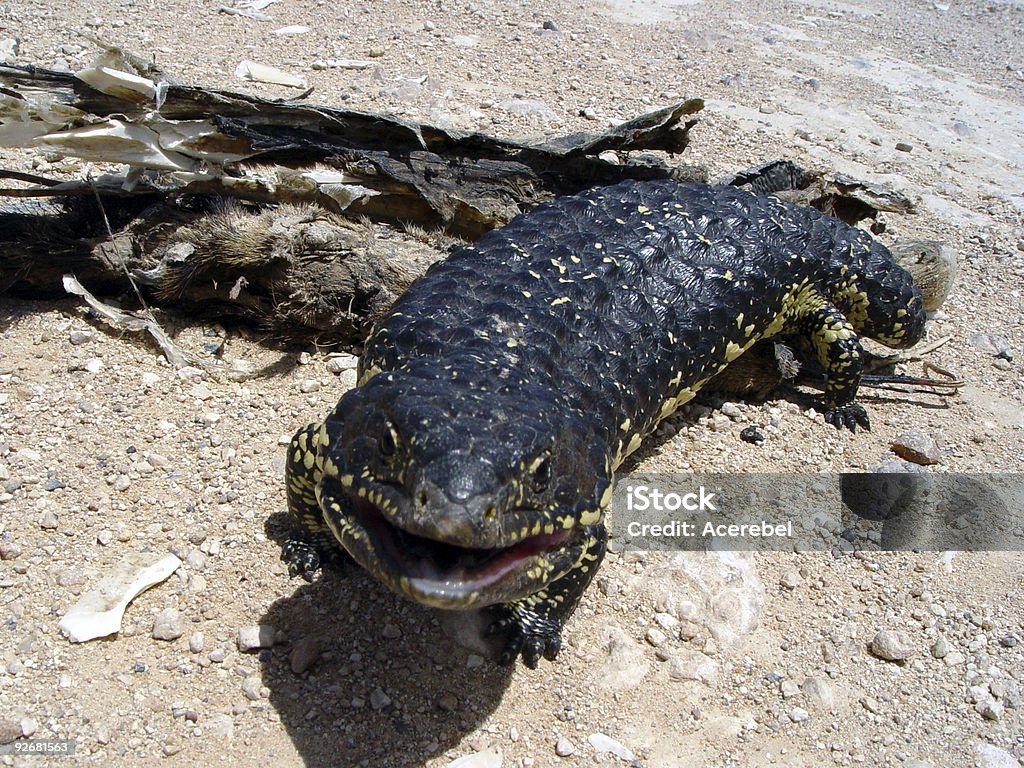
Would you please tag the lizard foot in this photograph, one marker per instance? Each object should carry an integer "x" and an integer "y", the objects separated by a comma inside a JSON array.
[
  {"x": 848, "y": 416},
  {"x": 525, "y": 633}
]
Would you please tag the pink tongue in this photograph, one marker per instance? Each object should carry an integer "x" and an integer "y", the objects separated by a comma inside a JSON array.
[
  {"x": 492, "y": 570},
  {"x": 468, "y": 572}
]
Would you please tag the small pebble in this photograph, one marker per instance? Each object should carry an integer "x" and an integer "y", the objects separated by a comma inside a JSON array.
[
  {"x": 789, "y": 689},
  {"x": 309, "y": 385},
  {"x": 485, "y": 758},
  {"x": 341, "y": 363},
  {"x": 549, "y": 24},
  {"x": 8, "y": 549},
  {"x": 251, "y": 687},
  {"x": 217, "y": 655},
  {"x": 902, "y": 146},
  {"x": 655, "y": 637},
  {"x": 603, "y": 743},
  {"x": 564, "y": 747},
  {"x": 304, "y": 654},
  {"x": 168, "y": 625},
  {"x": 255, "y": 637},
  {"x": 732, "y": 411},
  {"x": 80, "y": 337},
  {"x": 752, "y": 435},
  {"x": 666, "y": 620},
  {"x": 892, "y": 645},
  {"x": 379, "y": 699},
  {"x": 196, "y": 560},
  {"x": 819, "y": 693},
  {"x": 48, "y": 521},
  {"x": 940, "y": 648},
  {"x": 989, "y": 708},
  {"x": 196, "y": 641},
  {"x": 918, "y": 447},
  {"x": 791, "y": 578},
  {"x": 104, "y": 537},
  {"x": 798, "y": 714}
]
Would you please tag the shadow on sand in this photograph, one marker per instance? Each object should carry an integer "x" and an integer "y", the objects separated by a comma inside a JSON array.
[{"x": 391, "y": 687}]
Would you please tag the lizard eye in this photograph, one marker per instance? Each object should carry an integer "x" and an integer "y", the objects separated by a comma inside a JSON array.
[
  {"x": 388, "y": 443},
  {"x": 540, "y": 474}
]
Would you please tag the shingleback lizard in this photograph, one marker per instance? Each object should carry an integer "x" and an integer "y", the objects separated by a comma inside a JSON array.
[{"x": 472, "y": 464}]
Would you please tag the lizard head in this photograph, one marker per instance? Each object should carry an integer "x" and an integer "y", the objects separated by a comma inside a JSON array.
[
  {"x": 881, "y": 300},
  {"x": 458, "y": 493}
]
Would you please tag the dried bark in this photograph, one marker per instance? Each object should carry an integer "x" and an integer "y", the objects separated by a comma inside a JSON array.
[{"x": 296, "y": 217}]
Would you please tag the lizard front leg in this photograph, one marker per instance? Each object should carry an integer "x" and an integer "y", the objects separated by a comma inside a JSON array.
[
  {"x": 532, "y": 626},
  {"x": 839, "y": 351},
  {"x": 313, "y": 543}
]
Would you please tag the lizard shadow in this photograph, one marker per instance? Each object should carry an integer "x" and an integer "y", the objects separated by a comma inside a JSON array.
[{"x": 390, "y": 685}]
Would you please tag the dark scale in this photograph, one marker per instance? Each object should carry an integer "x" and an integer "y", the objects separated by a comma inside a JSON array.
[{"x": 472, "y": 464}]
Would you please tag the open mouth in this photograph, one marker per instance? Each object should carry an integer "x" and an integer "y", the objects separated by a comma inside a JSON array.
[{"x": 448, "y": 576}]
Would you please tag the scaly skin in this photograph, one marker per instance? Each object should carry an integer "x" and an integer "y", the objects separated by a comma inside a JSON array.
[{"x": 472, "y": 464}]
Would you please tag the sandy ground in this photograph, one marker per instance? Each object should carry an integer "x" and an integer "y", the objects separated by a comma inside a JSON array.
[{"x": 106, "y": 450}]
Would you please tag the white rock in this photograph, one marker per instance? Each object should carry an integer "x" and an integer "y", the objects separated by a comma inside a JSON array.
[
  {"x": 892, "y": 645},
  {"x": 719, "y": 590},
  {"x": 255, "y": 637},
  {"x": 168, "y": 625},
  {"x": 293, "y": 29},
  {"x": 8, "y": 50},
  {"x": 819, "y": 693},
  {"x": 603, "y": 743},
  {"x": 220, "y": 727},
  {"x": 656, "y": 637},
  {"x": 666, "y": 620},
  {"x": 264, "y": 73},
  {"x": 732, "y": 411},
  {"x": 564, "y": 747},
  {"x": 98, "y": 613},
  {"x": 251, "y": 687},
  {"x": 990, "y": 756},
  {"x": 693, "y": 665},
  {"x": 487, "y": 758},
  {"x": 623, "y": 664}
]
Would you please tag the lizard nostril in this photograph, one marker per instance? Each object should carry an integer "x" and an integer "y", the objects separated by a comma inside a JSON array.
[{"x": 421, "y": 498}]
